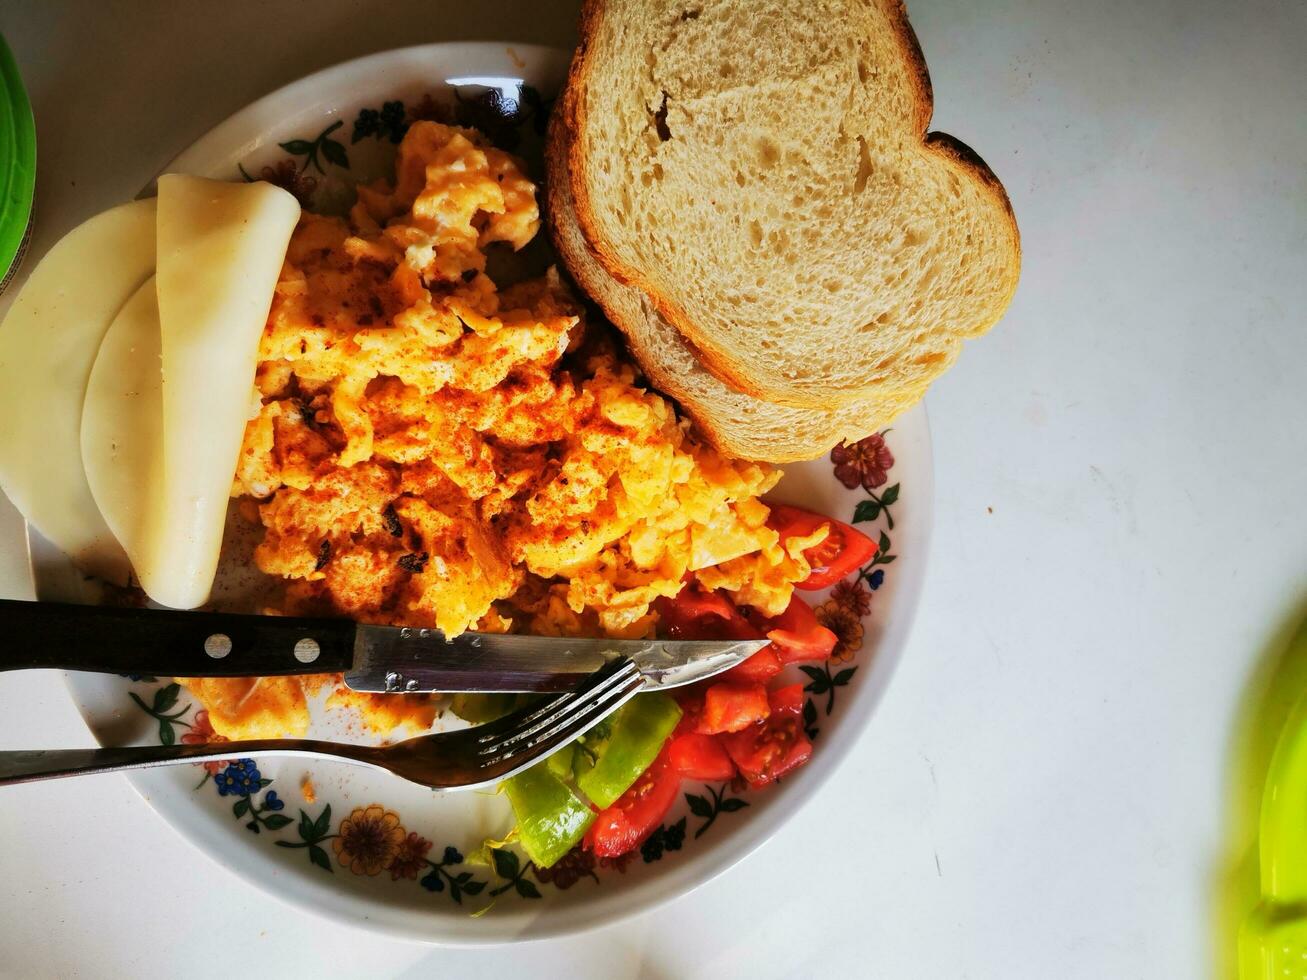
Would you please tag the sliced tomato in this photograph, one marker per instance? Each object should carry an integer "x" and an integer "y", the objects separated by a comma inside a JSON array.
[
  {"x": 729, "y": 707},
  {"x": 795, "y": 634},
  {"x": 695, "y": 614},
  {"x": 690, "y": 700},
  {"x": 844, "y": 549},
  {"x": 758, "y": 669},
  {"x": 698, "y": 615},
  {"x": 769, "y": 749},
  {"x": 637, "y": 813},
  {"x": 697, "y": 756}
]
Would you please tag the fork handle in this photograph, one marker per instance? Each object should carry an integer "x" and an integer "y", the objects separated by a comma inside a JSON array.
[{"x": 22, "y": 766}]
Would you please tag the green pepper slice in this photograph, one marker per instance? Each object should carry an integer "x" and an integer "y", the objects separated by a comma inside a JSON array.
[
  {"x": 560, "y": 763},
  {"x": 606, "y": 770},
  {"x": 551, "y": 819},
  {"x": 586, "y": 749},
  {"x": 481, "y": 708}
]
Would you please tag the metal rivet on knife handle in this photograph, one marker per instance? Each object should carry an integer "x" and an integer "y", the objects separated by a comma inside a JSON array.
[
  {"x": 218, "y": 645},
  {"x": 307, "y": 650}
]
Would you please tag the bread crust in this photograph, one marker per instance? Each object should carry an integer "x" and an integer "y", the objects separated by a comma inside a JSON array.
[
  {"x": 957, "y": 156},
  {"x": 816, "y": 431}
]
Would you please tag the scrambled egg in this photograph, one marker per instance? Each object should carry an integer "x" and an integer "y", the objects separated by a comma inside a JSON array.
[{"x": 433, "y": 451}]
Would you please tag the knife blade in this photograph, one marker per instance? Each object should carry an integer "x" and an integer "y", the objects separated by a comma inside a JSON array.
[
  {"x": 393, "y": 659},
  {"x": 388, "y": 658}
]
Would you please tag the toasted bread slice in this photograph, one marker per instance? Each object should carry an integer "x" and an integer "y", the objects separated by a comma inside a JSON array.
[
  {"x": 760, "y": 169},
  {"x": 737, "y": 424}
]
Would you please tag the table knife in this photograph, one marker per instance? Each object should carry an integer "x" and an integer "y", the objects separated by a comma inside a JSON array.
[{"x": 394, "y": 659}]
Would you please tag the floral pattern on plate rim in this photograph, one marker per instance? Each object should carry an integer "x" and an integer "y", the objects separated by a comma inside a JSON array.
[{"x": 372, "y": 839}]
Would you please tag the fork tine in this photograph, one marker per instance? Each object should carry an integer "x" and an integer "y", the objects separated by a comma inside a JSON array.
[
  {"x": 516, "y": 720},
  {"x": 584, "y": 714},
  {"x": 514, "y": 760},
  {"x": 582, "y": 721},
  {"x": 599, "y": 691},
  {"x": 586, "y": 710}
]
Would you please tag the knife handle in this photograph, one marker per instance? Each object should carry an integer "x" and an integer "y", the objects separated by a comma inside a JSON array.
[{"x": 169, "y": 642}]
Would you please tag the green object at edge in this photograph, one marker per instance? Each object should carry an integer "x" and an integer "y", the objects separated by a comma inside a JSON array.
[
  {"x": 1273, "y": 941},
  {"x": 17, "y": 165}
]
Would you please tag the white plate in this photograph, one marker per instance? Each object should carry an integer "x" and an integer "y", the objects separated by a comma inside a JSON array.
[{"x": 699, "y": 839}]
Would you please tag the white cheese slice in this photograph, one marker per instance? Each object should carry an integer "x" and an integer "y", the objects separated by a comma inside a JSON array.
[
  {"x": 221, "y": 247},
  {"x": 122, "y": 426},
  {"x": 48, "y": 343}
]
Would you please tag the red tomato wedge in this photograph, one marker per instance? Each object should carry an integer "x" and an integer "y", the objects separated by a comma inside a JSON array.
[
  {"x": 844, "y": 550},
  {"x": 697, "y": 615},
  {"x": 624, "y": 826},
  {"x": 758, "y": 669},
  {"x": 697, "y": 756},
  {"x": 796, "y": 635},
  {"x": 729, "y": 707},
  {"x": 769, "y": 749}
]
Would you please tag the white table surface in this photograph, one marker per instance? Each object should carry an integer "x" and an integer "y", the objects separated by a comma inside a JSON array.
[{"x": 1122, "y": 535}]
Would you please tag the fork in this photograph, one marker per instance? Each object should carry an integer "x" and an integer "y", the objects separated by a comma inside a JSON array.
[{"x": 470, "y": 758}]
